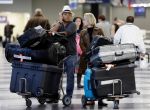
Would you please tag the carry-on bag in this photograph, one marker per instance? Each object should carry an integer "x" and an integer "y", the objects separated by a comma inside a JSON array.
[
  {"x": 87, "y": 84},
  {"x": 39, "y": 38},
  {"x": 32, "y": 37}
]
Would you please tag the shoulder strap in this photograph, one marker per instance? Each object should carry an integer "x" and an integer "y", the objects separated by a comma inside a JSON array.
[{"x": 93, "y": 43}]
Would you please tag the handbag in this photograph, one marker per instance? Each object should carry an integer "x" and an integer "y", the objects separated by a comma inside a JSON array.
[{"x": 143, "y": 63}]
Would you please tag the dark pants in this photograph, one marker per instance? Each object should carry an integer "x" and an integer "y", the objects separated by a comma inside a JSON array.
[{"x": 69, "y": 64}]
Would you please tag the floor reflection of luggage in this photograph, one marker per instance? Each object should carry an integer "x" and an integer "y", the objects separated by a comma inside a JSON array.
[{"x": 41, "y": 81}]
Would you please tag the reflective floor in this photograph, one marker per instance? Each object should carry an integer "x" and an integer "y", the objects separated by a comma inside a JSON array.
[{"x": 12, "y": 101}]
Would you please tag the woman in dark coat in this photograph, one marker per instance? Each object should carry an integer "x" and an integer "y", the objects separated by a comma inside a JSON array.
[
  {"x": 86, "y": 37},
  {"x": 36, "y": 20}
]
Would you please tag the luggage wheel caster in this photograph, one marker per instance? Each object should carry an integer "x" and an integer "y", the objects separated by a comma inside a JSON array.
[
  {"x": 41, "y": 100},
  {"x": 66, "y": 100},
  {"x": 28, "y": 102},
  {"x": 116, "y": 104},
  {"x": 84, "y": 101}
]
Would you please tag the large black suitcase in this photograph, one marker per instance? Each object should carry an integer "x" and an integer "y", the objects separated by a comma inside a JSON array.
[
  {"x": 53, "y": 55},
  {"x": 102, "y": 81},
  {"x": 114, "y": 53},
  {"x": 34, "y": 78}
]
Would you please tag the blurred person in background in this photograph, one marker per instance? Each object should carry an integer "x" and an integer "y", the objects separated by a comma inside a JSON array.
[
  {"x": 38, "y": 19},
  {"x": 130, "y": 33},
  {"x": 116, "y": 24},
  {"x": 104, "y": 25},
  {"x": 79, "y": 24},
  {"x": 8, "y": 31}
]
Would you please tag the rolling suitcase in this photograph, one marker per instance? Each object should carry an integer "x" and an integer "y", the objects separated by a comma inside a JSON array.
[
  {"x": 35, "y": 79},
  {"x": 87, "y": 85},
  {"x": 114, "y": 54},
  {"x": 102, "y": 81}
]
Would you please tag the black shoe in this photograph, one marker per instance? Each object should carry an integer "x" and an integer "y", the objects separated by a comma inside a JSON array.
[
  {"x": 79, "y": 86},
  {"x": 101, "y": 103}
]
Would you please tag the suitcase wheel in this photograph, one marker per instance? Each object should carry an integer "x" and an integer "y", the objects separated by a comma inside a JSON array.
[
  {"x": 84, "y": 101},
  {"x": 28, "y": 102},
  {"x": 41, "y": 100},
  {"x": 66, "y": 100},
  {"x": 116, "y": 104}
]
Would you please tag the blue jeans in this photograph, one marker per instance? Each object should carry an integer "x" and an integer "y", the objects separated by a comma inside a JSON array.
[{"x": 70, "y": 64}]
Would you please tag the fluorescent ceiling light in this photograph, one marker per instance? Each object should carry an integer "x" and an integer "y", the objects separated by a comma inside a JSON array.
[
  {"x": 141, "y": 5},
  {"x": 6, "y": 1}
]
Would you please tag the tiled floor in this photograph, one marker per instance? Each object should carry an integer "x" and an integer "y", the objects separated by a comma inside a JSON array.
[{"x": 11, "y": 101}]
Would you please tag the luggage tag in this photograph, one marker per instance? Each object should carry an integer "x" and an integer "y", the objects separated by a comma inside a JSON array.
[
  {"x": 109, "y": 66},
  {"x": 21, "y": 57}
]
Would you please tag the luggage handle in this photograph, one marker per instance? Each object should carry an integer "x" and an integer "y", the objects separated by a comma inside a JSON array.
[
  {"x": 114, "y": 81},
  {"x": 119, "y": 53},
  {"x": 23, "y": 80},
  {"x": 148, "y": 56}
]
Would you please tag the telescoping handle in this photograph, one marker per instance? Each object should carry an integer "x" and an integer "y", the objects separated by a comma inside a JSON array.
[
  {"x": 114, "y": 81},
  {"x": 22, "y": 85},
  {"x": 147, "y": 56}
]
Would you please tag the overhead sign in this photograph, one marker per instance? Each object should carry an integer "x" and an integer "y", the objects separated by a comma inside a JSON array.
[
  {"x": 97, "y": 1},
  {"x": 3, "y": 19},
  {"x": 73, "y": 4},
  {"x": 6, "y": 1}
]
